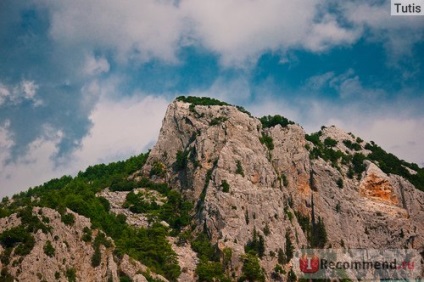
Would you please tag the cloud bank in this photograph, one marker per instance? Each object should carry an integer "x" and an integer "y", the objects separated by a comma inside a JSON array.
[{"x": 83, "y": 82}]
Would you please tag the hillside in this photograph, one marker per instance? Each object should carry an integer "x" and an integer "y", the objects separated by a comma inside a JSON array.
[{"x": 222, "y": 196}]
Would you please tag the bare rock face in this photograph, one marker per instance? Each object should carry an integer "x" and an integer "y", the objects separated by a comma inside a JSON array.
[
  {"x": 217, "y": 156},
  {"x": 132, "y": 269},
  {"x": 376, "y": 186},
  {"x": 187, "y": 259}
]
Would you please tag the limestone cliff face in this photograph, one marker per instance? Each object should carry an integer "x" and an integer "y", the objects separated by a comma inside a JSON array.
[{"x": 266, "y": 186}]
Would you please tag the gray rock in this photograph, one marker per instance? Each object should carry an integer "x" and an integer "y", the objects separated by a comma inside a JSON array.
[{"x": 374, "y": 211}]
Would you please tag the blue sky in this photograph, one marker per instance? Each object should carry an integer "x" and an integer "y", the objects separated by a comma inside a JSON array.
[{"x": 83, "y": 82}]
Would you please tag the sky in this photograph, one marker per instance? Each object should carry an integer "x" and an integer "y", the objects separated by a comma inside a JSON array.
[{"x": 88, "y": 82}]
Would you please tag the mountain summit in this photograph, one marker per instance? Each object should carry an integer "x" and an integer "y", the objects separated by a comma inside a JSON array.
[{"x": 222, "y": 196}]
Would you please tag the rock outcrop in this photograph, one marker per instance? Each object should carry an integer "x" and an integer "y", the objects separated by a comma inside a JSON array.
[{"x": 270, "y": 189}]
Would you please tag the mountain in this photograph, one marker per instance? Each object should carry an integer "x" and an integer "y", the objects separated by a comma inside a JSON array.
[{"x": 222, "y": 196}]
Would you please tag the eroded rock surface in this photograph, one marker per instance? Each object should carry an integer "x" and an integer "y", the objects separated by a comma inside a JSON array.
[{"x": 269, "y": 187}]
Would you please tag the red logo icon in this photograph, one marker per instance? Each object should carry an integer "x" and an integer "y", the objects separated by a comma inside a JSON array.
[{"x": 309, "y": 264}]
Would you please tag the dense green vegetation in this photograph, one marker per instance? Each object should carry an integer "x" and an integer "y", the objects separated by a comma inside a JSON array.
[
  {"x": 351, "y": 145},
  {"x": 150, "y": 247},
  {"x": 103, "y": 175},
  {"x": 339, "y": 183},
  {"x": 330, "y": 142},
  {"x": 358, "y": 163},
  {"x": 271, "y": 121},
  {"x": 210, "y": 267},
  {"x": 325, "y": 149},
  {"x": 251, "y": 270}
]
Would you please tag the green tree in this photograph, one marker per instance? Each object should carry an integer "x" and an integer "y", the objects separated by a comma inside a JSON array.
[
  {"x": 97, "y": 257},
  {"x": 49, "y": 250},
  {"x": 71, "y": 274},
  {"x": 319, "y": 238},
  {"x": 267, "y": 141},
  {"x": 256, "y": 244},
  {"x": 225, "y": 186},
  {"x": 239, "y": 169},
  {"x": 181, "y": 160},
  {"x": 339, "y": 183},
  {"x": 251, "y": 270},
  {"x": 209, "y": 271},
  {"x": 289, "y": 248},
  {"x": 271, "y": 121},
  {"x": 330, "y": 142}
]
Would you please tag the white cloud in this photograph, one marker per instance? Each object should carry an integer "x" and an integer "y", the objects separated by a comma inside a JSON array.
[
  {"x": 241, "y": 30},
  {"x": 120, "y": 129},
  {"x": 6, "y": 141},
  {"x": 95, "y": 66},
  {"x": 319, "y": 81},
  {"x": 237, "y": 30},
  {"x": 328, "y": 33},
  {"x": 134, "y": 29},
  {"x": 26, "y": 90},
  {"x": 347, "y": 85},
  {"x": 398, "y": 34},
  {"x": 4, "y": 93},
  {"x": 228, "y": 90},
  {"x": 29, "y": 89},
  {"x": 31, "y": 169},
  {"x": 352, "y": 88}
]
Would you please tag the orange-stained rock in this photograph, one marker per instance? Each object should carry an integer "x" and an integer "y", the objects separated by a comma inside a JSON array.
[{"x": 376, "y": 186}]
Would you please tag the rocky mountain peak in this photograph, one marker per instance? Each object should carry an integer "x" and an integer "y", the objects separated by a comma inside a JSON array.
[
  {"x": 251, "y": 176},
  {"x": 227, "y": 196}
]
